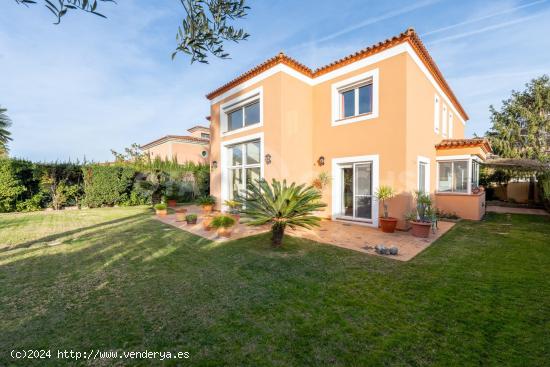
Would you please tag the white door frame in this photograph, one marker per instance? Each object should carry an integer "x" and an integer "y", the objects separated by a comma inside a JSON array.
[{"x": 337, "y": 184}]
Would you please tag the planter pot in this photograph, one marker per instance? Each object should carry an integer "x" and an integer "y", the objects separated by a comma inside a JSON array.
[
  {"x": 388, "y": 224},
  {"x": 194, "y": 221},
  {"x": 225, "y": 232},
  {"x": 162, "y": 213},
  {"x": 207, "y": 223},
  {"x": 206, "y": 209},
  {"x": 172, "y": 203},
  {"x": 421, "y": 229}
]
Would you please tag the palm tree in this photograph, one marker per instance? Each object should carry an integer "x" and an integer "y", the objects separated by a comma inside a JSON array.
[
  {"x": 281, "y": 205},
  {"x": 5, "y": 122}
]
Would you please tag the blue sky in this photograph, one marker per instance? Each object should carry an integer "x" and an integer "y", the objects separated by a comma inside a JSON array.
[{"x": 88, "y": 85}]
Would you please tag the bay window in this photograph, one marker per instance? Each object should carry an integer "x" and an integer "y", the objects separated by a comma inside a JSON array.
[{"x": 458, "y": 175}]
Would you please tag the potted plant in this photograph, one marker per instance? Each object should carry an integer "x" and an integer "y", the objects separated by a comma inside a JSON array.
[
  {"x": 191, "y": 218},
  {"x": 181, "y": 214},
  {"x": 421, "y": 218},
  {"x": 234, "y": 209},
  {"x": 387, "y": 223},
  {"x": 321, "y": 181},
  {"x": 207, "y": 203},
  {"x": 171, "y": 194},
  {"x": 171, "y": 201},
  {"x": 160, "y": 210},
  {"x": 223, "y": 223},
  {"x": 207, "y": 222}
]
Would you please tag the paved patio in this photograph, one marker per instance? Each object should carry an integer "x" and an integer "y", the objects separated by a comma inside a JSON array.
[{"x": 351, "y": 236}]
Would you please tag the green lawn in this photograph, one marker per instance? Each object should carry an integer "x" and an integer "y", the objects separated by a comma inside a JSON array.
[{"x": 116, "y": 279}]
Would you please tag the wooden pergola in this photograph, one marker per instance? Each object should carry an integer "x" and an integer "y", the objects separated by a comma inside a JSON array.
[{"x": 520, "y": 164}]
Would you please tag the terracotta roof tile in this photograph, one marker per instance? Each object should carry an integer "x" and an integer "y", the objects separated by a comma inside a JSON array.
[
  {"x": 408, "y": 36},
  {"x": 181, "y": 138},
  {"x": 462, "y": 143}
]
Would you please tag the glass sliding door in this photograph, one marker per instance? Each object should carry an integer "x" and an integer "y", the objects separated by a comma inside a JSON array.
[
  {"x": 244, "y": 167},
  {"x": 357, "y": 191}
]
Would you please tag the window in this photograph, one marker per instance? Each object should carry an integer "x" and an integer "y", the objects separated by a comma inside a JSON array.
[
  {"x": 244, "y": 116},
  {"x": 450, "y": 125},
  {"x": 242, "y": 112},
  {"x": 356, "y": 100},
  {"x": 205, "y": 135},
  {"x": 453, "y": 176},
  {"x": 436, "y": 115},
  {"x": 444, "y": 122},
  {"x": 422, "y": 176},
  {"x": 475, "y": 174},
  {"x": 244, "y": 167}
]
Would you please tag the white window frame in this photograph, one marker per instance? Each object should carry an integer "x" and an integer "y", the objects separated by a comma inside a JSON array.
[
  {"x": 444, "y": 122},
  {"x": 450, "y": 158},
  {"x": 337, "y": 88},
  {"x": 239, "y": 102},
  {"x": 437, "y": 114},
  {"x": 337, "y": 186},
  {"x": 224, "y": 158},
  {"x": 426, "y": 161}
]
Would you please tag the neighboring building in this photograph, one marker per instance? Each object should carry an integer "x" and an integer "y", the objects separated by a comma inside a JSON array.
[
  {"x": 382, "y": 116},
  {"x": 193, "y": 148}
]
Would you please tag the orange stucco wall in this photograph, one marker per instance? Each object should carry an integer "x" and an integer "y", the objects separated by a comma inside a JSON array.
[
  {"x": 465, "y": 206},
  {"x": 183, "y": 152},
  {"x": 297, "y": 127}
]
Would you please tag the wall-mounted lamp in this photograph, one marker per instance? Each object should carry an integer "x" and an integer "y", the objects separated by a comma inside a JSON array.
[
  {"x": 321, "y": 161},
  {"x": 214, "y": 164},
  {"x": 268, "y": 159}
]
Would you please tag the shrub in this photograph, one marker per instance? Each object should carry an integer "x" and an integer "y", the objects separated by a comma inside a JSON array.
[
  {"x": 11, "y": 185},
  {"x": 206, "y": 200},
  {"x": 107, "y": 185},
  {"x": 35, "y": 203},
  {"x": 160, "y": 206},
  {"x": 223, "y": 221}
]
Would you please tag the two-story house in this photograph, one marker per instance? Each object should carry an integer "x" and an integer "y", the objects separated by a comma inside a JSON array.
[
  {"x": 382, "y": 116},
  {"x": 183, "y": 148}
]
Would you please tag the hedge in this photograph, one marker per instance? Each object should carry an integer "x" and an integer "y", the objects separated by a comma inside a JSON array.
[{"x": 107, "y": 185}]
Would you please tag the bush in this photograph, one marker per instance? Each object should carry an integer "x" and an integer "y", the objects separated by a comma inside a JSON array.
[
  {"x": 35, "y": 203},
  {"x": 160, "y": 206},
  {"x": 223, "y": 221},
  {"x": 11, "y": 186},
  {"x": 206, "y": 200},
  {"x": 191, "y": 217},
  {"x": 107, "y": 185}
]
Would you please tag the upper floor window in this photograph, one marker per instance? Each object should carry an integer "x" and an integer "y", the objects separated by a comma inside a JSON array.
[
  {"x": 437, "y": 113},
  {"x": 444, "y": 122},
  {"x": 244, "y": 116},
  {"x": 205, "y": 135},
  {"x": 242, "y": 112},
  {"x": 450, "y": 125},
  {"x": 355, "y": 99}
]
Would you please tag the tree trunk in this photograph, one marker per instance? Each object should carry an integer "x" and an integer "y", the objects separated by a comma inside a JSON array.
[{"x": 278, "y": 231}]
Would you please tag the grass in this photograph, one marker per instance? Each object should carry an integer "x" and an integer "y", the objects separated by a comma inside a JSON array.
[{"x": 478, "y": 296}]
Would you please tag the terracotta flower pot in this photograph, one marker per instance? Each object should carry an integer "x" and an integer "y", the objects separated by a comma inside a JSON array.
[
  {"x": 388, "y": 224},
  {"x": 172, "y": 203},
  {"x": 162, "y": 213},
  {"x": 207, "y": 223},
  {"x": 225, "y": 232},
  {"x": 207, "y": 209},
  {"x": 180, "y": 215},
  {"x": 191, "y": 221},
  {"x": 421, "y": 229}
]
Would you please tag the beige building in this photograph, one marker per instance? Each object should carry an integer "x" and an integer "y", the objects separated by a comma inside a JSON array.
[
  {"x": 193, "y": 148},
  {"x": 382, "y": 116}
]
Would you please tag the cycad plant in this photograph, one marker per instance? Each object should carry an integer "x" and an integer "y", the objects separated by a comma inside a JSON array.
[{"x": 281, "y": 205}]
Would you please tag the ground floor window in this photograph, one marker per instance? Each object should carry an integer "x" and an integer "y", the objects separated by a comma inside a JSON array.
[
  {"x": 475, "y": 174},
  {"x": 244, "y": 167},
  {"x": 453, "y": 176}
]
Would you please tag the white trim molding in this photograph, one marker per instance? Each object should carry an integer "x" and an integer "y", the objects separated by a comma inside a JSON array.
[
  {"x": 426, "y": 160},
  {"x": 336, "y": 88},
  {"x": 337, "y": 185},
  {"x": 224, "y": 195},
  {"x": 243, "y": 99}
]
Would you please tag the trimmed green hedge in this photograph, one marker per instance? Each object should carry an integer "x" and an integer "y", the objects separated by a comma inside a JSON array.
[{"x": 107, "y": 185}]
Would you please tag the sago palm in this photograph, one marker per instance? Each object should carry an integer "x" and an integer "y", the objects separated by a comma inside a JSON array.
[
  {"x": 4, "y": 133},
  {"x": 281, "y": 205}
]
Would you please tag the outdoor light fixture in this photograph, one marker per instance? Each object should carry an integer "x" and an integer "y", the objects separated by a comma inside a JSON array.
[
  {"x": 268, "y": 159},
  {"x": 321, "y": 161},
  {"x": 214, "y": 164}
]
